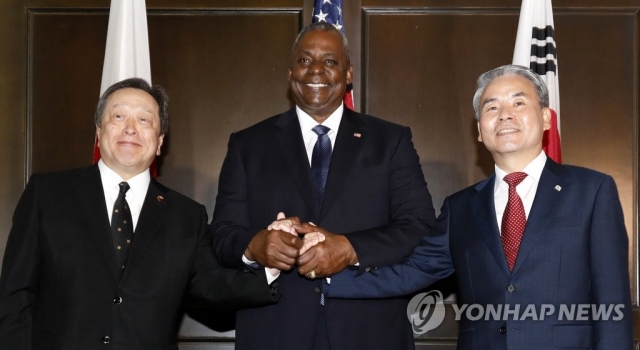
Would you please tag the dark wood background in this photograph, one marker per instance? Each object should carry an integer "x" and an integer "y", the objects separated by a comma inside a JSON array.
[{"x": 224, "y": 64}]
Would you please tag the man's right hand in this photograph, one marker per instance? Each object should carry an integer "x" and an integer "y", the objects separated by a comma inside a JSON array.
[{"x": 277, "y": 246}]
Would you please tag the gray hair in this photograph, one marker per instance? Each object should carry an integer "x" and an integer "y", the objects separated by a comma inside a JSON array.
[
  {"x": 156, "y": 91},
  {"x": 326, "y": 27},
  {"x": 486, "y": 78}
]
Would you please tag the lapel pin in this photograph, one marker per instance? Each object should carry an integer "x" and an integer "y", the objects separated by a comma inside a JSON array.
[
  {"x": 357, "y": 134},
  {"x": 160, "y": 199},
  {"x": 558, "y": 188}
]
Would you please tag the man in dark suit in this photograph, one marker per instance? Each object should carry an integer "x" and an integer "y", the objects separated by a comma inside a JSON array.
[
  {"x": 72, "y": 280},
  {"x": 374, "y": 207},
  {"x": 570, "y": 249}
]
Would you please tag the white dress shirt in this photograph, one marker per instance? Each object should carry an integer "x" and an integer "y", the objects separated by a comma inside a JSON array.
[
  {"x": 138, "y": 184},
  {"x": 526, "y": 189},
  {"x": 307, "y": 123}
]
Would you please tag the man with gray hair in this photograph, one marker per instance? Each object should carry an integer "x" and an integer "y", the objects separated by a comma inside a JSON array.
[{"x": 536, "y": 236}]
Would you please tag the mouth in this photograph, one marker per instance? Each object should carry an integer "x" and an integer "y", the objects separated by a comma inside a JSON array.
[
  {"x": 316, "y": 85},
  {"x": 507, "y": 131},
  {"x": 128, "y": 143}
]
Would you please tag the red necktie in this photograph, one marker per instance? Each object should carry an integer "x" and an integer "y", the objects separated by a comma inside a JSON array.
[{"x": 513, "y": 220}]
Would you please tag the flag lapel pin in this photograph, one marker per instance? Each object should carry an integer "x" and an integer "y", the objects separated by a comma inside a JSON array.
[
  {"x": 160, "y": 199},
  {"x": 357, "y": 134}
]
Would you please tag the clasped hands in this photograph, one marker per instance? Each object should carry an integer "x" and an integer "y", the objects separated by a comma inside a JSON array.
[{"x": 319, "y": 253}]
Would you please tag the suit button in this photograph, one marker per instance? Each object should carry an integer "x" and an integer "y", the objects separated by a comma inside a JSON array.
[
  {"x": 511, "y": 288},
  {"x": 106, "y": 339},
  {"x": 503, "y": 330},
  {"x": 317, "y": 289},
  {"x": 117, "y": 300}
]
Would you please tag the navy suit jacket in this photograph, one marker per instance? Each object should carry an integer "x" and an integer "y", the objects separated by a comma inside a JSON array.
[
  {"x": 574, "y": 251},
  {"x": 375, "y": 195},
  {"x": 60, "y": 287}
]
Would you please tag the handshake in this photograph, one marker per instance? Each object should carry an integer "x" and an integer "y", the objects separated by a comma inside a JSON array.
[{"x": 319, "y": 253}]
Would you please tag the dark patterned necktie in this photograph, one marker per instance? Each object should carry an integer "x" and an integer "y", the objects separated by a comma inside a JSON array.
[
  {"x": 514, "y": 220},
  {"x": 121, "y": 226},
  {"x": 320, "y": 160}
]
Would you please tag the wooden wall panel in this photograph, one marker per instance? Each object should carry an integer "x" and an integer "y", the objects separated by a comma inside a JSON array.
[
  {"x": 13, "y": 102},
  {"x": 66, "y": 54},
  {"x": 225, "y": 71},
  {"x": 420, "y": 71}
]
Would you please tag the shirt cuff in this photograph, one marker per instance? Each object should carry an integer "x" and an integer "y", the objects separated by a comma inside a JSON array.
[
  {"x": 247, "y": 261},
  {"x": 270, "y": 277}
]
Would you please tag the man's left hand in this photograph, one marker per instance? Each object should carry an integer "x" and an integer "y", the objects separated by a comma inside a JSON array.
[{"x": 327, "y": 257}]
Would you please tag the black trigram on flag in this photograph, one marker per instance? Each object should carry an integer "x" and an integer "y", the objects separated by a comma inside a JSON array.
[{"x": 543, "y": 50}]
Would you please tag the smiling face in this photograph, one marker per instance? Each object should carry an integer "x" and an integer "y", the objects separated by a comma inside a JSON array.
[
  {"x": 129, "y": 134},
  {"x": 319, "y": 73},
  {"x": 512, "y": 121}
]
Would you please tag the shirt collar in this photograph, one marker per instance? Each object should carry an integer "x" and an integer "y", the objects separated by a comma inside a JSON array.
[
  {"x": 138, "y": 184},
  {"x": 533, "y": 169},
  {"x": 307, "y": 122}
]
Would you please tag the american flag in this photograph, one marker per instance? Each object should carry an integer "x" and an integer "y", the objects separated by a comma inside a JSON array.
[{"x": 330, "y": 11}]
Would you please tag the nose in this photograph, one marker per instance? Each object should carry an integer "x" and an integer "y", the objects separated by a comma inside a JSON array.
[
  {"x": 130, "y": 127},
  {"x": 317, "y": 67},
  {"x": 505, "y": 114}
]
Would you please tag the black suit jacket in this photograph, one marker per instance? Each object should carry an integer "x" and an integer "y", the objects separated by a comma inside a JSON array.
[
  {"x": 60, "y": 288},
  {"x": 375, "y": 195}
]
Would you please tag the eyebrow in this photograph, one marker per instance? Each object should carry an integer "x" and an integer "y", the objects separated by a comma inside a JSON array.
[
  {"x": 493, "y": 99},
  {"x": 116, "y": 105}
]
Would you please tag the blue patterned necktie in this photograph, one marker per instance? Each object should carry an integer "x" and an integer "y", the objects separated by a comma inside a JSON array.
[{"x": 320, "y": 160}]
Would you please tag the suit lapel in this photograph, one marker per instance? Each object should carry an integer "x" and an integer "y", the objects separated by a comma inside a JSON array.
[
  {"x": 345, "y": 150},
  {"x": 484, "y": 216},
  {"x": 152, "y": 215},
  {"x": 544, "y": 204},
  {"x": 289, "y": 139},
  {"x": 90, "y": 195}
]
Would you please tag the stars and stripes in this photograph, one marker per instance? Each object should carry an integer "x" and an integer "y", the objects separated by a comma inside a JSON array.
[{"x": 330, "y": 11}]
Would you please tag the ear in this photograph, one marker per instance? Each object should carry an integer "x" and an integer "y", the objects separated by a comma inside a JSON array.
[
  {"x": 479, "y": 133},
  {"x": 289, "y": 75},
  {"x": 546, "y": 117},
  {"x": 350, "y": 75},
  {"x": 160, "y": 140}
]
